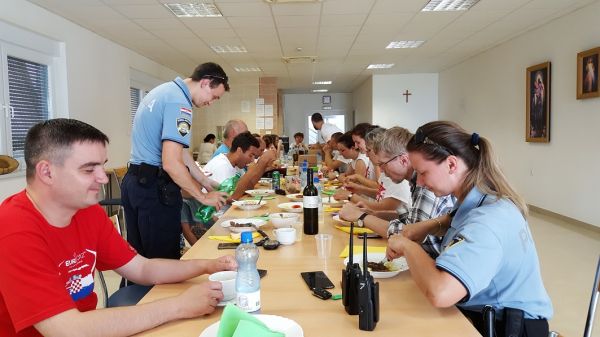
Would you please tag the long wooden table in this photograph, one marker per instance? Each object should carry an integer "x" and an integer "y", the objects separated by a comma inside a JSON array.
[{"x": 404, "y": 311}]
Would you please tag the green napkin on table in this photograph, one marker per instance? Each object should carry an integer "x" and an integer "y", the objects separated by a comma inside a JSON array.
[{"x": 238, "y": 323}]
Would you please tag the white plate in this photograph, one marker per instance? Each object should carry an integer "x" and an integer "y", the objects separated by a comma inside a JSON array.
[
  {"x": 256, "y": 222},
  {"x": 343, "y": 222},
  {"x": 291, "y": 206},
  {"x": 260, "y": 192},
  {"x": 332, "y": 202},
  {"x": 276, "y": 323},
  {"x": 248, "y": 205},
  {"x": 399, "y": 264},
  {"x": 295, "y": 196}
]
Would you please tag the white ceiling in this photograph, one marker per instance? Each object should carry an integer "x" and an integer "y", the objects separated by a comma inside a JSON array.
[{"x": 345, "y": 35}]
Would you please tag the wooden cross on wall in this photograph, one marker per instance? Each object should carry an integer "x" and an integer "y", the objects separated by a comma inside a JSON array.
[{"x": 406, "y": 93}]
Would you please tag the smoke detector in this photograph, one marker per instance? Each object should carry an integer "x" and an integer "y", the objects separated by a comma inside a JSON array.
[{"x": 299, "y": 59}]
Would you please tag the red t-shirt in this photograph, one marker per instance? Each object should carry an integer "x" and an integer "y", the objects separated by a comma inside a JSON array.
[{"x": 45, "y": 270}]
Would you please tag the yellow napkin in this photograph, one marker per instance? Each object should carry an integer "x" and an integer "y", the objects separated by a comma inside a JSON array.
[
  {"x": 357, "y": 230},
  {"x": 331, "y": 209},
  {"x": 358, "y": 249},
  {"x": 230, "y": 238}
]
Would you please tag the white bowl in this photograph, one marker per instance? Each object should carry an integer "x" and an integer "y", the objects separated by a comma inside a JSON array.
[
  {"x": 260, "y": 192},
  {"x": 283, "y": 219},
  {"x": 249, "y": 205},
  {"x": 295, "y": 207},
  {"x": 256, "y": 222},
  {"x": 399, "y": 265}
]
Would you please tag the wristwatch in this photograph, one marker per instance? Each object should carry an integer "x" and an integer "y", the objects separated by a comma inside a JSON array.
[
  {"x": 360, "y": 221},
  {"x": 350, "y": 197}
]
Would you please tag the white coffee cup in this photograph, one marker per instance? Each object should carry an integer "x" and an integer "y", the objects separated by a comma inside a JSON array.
[
  {"x": 285, "y": 236},
  {"x": 227, "y": 279}
]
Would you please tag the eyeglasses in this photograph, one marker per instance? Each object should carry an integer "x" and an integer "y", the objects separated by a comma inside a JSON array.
[
  {"x": 421, "y": 138},
  {"x": 390, "y": 160}
]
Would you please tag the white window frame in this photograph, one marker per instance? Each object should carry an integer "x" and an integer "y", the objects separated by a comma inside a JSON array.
[{"x": 19, "y": 43}]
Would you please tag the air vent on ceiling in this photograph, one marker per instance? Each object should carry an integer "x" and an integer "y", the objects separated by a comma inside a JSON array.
[
  {"x": 299, "y": 59},
  {"x": 291, "y": 1}
]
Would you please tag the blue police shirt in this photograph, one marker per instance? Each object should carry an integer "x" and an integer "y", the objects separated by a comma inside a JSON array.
[
  {"x": 221, "y": 149},
  {"x": 489, "y": 249},
  {"x": 165, "y": 113}
]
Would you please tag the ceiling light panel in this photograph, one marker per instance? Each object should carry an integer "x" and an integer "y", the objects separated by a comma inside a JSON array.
[
  {"x": 193, "y": 10},
  {"x": 380, "y": 66},
  {"x": 320, "y": 90},
  {"x": 404, "y": 44},
  {"x": 448, "y": 5},
  {"x": 322, "y": 82},
  {"x": 247, "y": 69},
  {"x": 228, "y": 49}
]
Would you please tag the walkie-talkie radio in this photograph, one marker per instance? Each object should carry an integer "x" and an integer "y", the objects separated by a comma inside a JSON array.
[
  {"x": 368, "y": 296},
  {"x": 350, "y": 279}
]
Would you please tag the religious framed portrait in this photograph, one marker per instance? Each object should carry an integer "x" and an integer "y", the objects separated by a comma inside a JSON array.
[
  {"x": 537, "y": 116},
  {"x": 587, "y": 73},
  {"x": 326, "y": 99}
]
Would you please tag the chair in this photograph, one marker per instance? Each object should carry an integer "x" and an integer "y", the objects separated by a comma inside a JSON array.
[{"x": 116, "y": 176}]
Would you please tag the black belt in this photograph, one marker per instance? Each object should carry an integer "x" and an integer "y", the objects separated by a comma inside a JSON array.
[{"x": 151, "y": 170}]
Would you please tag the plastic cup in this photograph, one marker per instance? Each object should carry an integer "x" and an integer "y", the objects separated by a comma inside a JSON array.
[{"x": 323, "y": 245}]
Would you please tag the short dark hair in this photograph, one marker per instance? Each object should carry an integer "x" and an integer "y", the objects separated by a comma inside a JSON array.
[
  {"x": 51, "y": 139},
  {"x": 212, "y": 71},
  {"x": 362, "y": 129},
  {"x": 299, "y": 134},
  {"x": 346, "y": 139},
  {"x": 209, "y": 137},
  {"x": 336, "y": 136},
  {"x": 270, "y": 139},
  {"x": 316, "y": 117},
  {"x": 244, "y": 141}
]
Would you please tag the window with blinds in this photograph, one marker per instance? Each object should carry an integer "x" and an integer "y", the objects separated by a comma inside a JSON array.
[
  {"x": 28, "y": 93},
  {"x": 135, "y": 97}
]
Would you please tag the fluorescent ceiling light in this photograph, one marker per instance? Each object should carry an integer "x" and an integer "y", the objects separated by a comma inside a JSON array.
[
  {"x": 448, "y": 5},
  {"x": 289, "y": 1},
  {"x": 320, "y": 90},
  {"x": 246, "y": 69},
  {"x": 404, "y": 44},
  {"x": 326, "y": 108},
  {"x": 194, "y": 10},
  {"x": 321, "y": 82},
  {"x": 229, "y": 49},
  {"x": 380, "y": 66}
]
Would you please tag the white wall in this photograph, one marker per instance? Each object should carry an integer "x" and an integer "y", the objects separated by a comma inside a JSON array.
[
  {"x": 390, "y": 107},
  {"x": 298, "y": 107},
  {"x": 97, "y": 78},
  {"x": 362, "y": 100},
  {"x": 487, "y": 94}
]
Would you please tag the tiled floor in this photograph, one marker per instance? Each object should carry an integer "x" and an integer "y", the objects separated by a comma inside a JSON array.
[{"x": 568, "y": 256}]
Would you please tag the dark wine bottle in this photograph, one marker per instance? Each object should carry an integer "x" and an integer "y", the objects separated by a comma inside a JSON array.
[{"x": 310, "y": 202}]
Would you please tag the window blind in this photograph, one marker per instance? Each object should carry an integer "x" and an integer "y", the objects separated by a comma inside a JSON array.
[
  {"x": 134, "y": 101},
  {"x": 29, "y": 99}
]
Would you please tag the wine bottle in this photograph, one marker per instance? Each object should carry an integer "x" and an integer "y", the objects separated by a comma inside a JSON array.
[{"x": 310, "y": 201}]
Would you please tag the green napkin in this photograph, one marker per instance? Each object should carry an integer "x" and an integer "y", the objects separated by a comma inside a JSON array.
[
  {"x": 267, "y": 197},
  {"x": 238, "y": 323}
]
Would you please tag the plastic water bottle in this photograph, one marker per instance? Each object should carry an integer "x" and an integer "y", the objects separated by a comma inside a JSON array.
[
  {"x": 247, "y": 283},
  {"x": 303, "y": 169},
  {"x": 317, "y": 184}
]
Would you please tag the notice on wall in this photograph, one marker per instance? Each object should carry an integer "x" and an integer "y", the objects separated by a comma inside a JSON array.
[
  {"x": 268, "y": 110},
  {"x": 245, "y": 106},
  {"x": 260, "y": 123},
  {"x": 268, "y": 123}
]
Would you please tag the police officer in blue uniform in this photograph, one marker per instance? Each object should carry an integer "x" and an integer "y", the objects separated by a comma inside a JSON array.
[
  {"x": 488, "y": 256},
  {"x": 160, "y": 164}
]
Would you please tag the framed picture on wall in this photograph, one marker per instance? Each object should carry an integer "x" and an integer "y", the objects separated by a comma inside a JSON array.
[
  {"x": 326, "y": 99},
  {"x": 587, "y": 73},
  {"x": 537, "y": 117}
]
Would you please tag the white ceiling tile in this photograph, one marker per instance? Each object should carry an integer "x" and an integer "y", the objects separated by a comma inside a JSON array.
[
  {"x": 174, "y": 33},
  {"x": 338, "y": 32},
  {"x": 343, "y": 20},
  {"x": 284, "y": 21},
  {"x": 151, "y": 24},
  {"x": 200, "y": 23},
  {"x": 155, "y": 11},
  {"x": 509, "y": 5},
  {"x": 251, "y": 22},
  {"x": 395, "y": 6},
  {"x": 296, "y": 9},
  {"x": 217, "y": 33},
  {"x": 245, "y": 9},
  {"x": 347, "y": 6},
  {"x": 389, "y": 20}
]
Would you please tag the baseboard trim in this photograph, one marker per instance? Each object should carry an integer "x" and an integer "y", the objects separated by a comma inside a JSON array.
[{"x": 570, "y": 221}]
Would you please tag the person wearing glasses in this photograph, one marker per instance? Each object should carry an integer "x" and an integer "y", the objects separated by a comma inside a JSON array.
[
  {"x": 488, "y": 256},
  {"x": 424, "y": 217},
  {"x": 160, "y": 164}
]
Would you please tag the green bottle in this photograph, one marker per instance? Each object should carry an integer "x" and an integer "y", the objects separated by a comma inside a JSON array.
[{"x": 205, "y": 212}]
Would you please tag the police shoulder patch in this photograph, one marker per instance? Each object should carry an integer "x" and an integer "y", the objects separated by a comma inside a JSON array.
[
  {"x": 456, "y": 241},
  {"x": 183, "y": 126}
]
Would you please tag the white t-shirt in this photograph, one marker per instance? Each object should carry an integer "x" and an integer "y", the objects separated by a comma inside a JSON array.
[
  {"x": 389, "y": 189},
  {"x": 220, "y": 167},
  {"x": 326, "y": 131},
  {"x": 365, "y": 159},
  {"x": 336, "y": 155}
]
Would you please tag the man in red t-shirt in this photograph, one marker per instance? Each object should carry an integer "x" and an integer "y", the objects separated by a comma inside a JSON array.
[{"x": 54, "y": 236}]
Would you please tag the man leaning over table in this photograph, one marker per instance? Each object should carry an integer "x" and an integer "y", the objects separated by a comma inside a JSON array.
[
  {"x": 54, "y": 235},
  {"x": 427, "y": 214}
]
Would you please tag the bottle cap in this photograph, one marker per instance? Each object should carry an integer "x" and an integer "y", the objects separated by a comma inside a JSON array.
[
  {"x": 316, "y": 180},
  {"x": 246, "y": 237}
]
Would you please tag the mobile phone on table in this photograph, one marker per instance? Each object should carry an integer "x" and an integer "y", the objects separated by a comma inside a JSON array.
[
  {"x": 316, "y": 279},
  {"x": 227, "y": 245}
]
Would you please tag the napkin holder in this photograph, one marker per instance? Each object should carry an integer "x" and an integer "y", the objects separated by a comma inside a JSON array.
[
  {"x": 368, "y": 296},
  {"x": 350, "y": 280}
]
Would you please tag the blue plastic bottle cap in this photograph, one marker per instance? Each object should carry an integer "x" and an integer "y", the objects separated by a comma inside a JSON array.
[{"x": 246, "y": 237}]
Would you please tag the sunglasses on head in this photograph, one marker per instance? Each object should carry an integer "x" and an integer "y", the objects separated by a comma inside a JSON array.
[
  {"x": 215, "y": 76},
  {"x": 421, "y": 138}
]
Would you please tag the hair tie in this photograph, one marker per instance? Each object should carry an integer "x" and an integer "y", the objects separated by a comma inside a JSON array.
[{"x": 475, "y": 139}]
